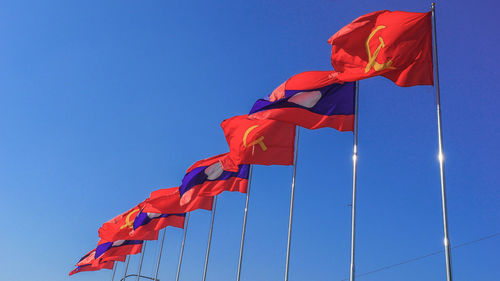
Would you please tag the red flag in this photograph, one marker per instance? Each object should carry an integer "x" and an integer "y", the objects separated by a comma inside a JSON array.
[
  {"x": 396, "y": 45},
  {"x": 89, "y": 263},
  {"x": 93, "y": 267},
  {"x": 264, "y": 142},
  {"x": 122, "y": 227},
  {"x": 167, "y": 201}
]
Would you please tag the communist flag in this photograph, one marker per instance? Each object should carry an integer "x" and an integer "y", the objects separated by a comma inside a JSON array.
[
  {"x": 312, "y": 99},
  {"x": 396, "y": 45},
  {"x": 212, "y": 176},
  {"x": 259, "y": 141},
  {"x": 122, "y": 227},
  {"x": 168, "y": 201}
]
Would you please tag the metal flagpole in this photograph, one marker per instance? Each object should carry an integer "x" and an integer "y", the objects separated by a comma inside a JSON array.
[
  {"x": 182, "y": 248},
  {"x": 142, "y": 259},
  {"x": 291, "y": 203},
  {"x": 244, "y": 224},
  {"x": 126, "y": 268},
  {"x": 354, "y": 181},
  {"x": 446, "y": 241},
  {"x": 209, "y": 239},
  {"x": 114, "y": 271},
  {"x": 159, "y": 255}
]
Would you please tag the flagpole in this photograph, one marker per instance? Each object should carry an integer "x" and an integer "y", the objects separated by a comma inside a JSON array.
[
  {"x": 126, "y": 268},
  {"x": 446, "y": 240},
  {"x": 209, "y": 239},
  {"x": 159, "y": 255},
  {"x": 114, "y": 271},
  {"x": 354, "y": 182},
  {"x": 142, "y": 259},
  {"x": 291, "y": 204},
  {"x": 182, "y": 247},
  {"x": 244, "y": 224}
]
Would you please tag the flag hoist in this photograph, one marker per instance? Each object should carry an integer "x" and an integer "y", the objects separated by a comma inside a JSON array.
[
  {"x": 446, "y": 240},
  {"x": 354, "y": 182},
  {"x": 114, "y": 271},
  {"x": 402, "y": 47},
  {"x": 159, "y": 254},
  {"x": 292, "y": 197},
  {"x": 182, "y": 248},
  {"x": 207, "y": 256},
  {"x": 142, "y": 260},
  {"x": 243, "y": 231}
]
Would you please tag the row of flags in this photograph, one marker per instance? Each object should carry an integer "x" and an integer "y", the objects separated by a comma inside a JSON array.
[{"x": 396, "y": 45}]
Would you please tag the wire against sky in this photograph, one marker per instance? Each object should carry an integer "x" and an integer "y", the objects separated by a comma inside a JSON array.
[{"x": 423, "y": 257}]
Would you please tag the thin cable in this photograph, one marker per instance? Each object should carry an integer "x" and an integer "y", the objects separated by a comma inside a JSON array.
[{"x": 424, "y": 256}]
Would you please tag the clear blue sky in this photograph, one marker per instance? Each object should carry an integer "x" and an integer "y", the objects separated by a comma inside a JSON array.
[{"x": 102, "y": 102}]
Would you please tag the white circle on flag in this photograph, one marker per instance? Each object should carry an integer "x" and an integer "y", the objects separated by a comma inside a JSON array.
[
  {"x": 214, "y": 171},
  {"x": 306, "y": 99}
]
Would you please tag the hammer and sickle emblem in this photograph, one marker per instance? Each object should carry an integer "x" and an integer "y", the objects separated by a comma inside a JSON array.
[
  {"x": 372, "y": 58},
  {"x": 128, "y": 223},
  {"x": 259, "y": 141}
]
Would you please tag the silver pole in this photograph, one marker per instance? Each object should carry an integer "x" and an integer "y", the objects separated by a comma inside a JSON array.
[
  {"x": 209, "y": 239},
  {"x": 182, "y": 248},
  {"x": 244, "y": 224},
  {"x": 114, "y": 271},
  {"x": 142, "y": 259},
  {"x": 291, "y": 204},
  {"x": 126, "y": 268},
  {"x": 354, "y": 181},
  {"x": 159, "y": 255},
  {"x": 446, "y": 241}
]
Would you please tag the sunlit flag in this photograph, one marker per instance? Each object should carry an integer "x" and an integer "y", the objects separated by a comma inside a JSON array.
[
  {"x": 396, "y": 45},
  {"x": 312, "y": 99}
]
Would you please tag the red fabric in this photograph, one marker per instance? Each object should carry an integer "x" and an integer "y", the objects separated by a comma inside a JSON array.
[
  {"x": 92, "y": 267},
  {"x": 167, "y": 201},
  {"x": 161, "y": 223},
  {"x": 308, "y": 119},
  {"x": 263, "y": 142},
  {"x": 118, "y": 251},
  {"x": 224, "y": 159},
  {"x": 121, "y": 227},
  {"x": 403, "y": 41},
  {"x": 88, "y": 263},
  {"x": 88, "y": 258},
  {"x": 305, "y": 81},
  {"x": 115, "y": 258}
]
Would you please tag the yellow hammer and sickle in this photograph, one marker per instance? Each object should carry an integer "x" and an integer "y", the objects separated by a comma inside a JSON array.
[
  {"x": 259, "y": 141},
  {"x": 372, "y": 58},
  {"x": 128, "y": 223}
]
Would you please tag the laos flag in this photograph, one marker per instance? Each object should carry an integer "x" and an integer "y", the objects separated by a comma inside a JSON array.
[
  {"x": 112, "y": 250},
  {"x": 88, "y": 263},
  {"x": 153, "y": 222},
  {"x": 212, "y": 176},
  {"x": 93, "y": 267},
  {"x": 312, "y": 99},
  {"x": 167, "y": 201}
]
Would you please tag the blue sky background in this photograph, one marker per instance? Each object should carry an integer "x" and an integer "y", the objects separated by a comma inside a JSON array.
[{"x": 102, "y": 102}]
